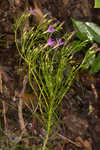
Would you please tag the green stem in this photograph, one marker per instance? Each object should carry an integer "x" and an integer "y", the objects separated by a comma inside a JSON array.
[
  {"x": 40, "y": 87},
  {"x": 49, "y": 125},
  {"x": 31, "y": 82},
  {"x": 18, "y": 48}
]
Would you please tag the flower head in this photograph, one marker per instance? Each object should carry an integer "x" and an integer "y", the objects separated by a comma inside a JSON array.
[
  {"x": 32, "y": 11},
  {"x": 59, "y": 42},
  {"x": 50, "y": 29},
  {"x": 50, "y": 42},
  {"x": 76, "y": 31}
]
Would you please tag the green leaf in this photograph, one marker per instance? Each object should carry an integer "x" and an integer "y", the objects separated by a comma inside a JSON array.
[
  {"x": 87, "y": 30},
  {"x": 97, "y": 4},
  {"x": 96, "y": 65},
  {"x": 89, "y": 59}
]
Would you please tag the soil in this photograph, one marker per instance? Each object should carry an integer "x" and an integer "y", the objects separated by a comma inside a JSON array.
[{"x": 79, "y": 126}]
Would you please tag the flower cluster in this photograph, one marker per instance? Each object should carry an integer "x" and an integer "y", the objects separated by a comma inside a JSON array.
[
  {"x": 32, "y": 11},
  {"x": 59, "y": 42},
  {"x": 50, "y": 29},
  {"x": 51, "y": 42}
]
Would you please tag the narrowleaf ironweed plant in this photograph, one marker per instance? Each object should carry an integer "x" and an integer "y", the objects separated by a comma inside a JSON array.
[{"x": 50, "y": 63}]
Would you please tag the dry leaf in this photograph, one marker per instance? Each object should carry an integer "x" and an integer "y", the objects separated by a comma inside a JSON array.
[
  {"x": 87, "y": 145},
  {"x": 84, "y": 143},
  {"x": 65, "y": 2}
]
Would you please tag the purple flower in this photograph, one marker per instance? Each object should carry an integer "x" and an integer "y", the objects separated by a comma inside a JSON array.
[
  {"x": 50, "y": 29},
  {"x": 59, "y": 42},
  {"x": 76, "y": 31},
  {"x": 32, "y": 11},
  {"x": 50, "y": 42}
]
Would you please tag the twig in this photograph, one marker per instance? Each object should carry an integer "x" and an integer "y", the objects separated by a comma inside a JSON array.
[
  {"x": 60, "y": 146},
  {"x": 20, "y": 113},
  {"x": 4, "y": 105},
  {"x": 68, "y": 140},
  {"x": 4, "y": 116},
  {"x": 94, "y": 91}
]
